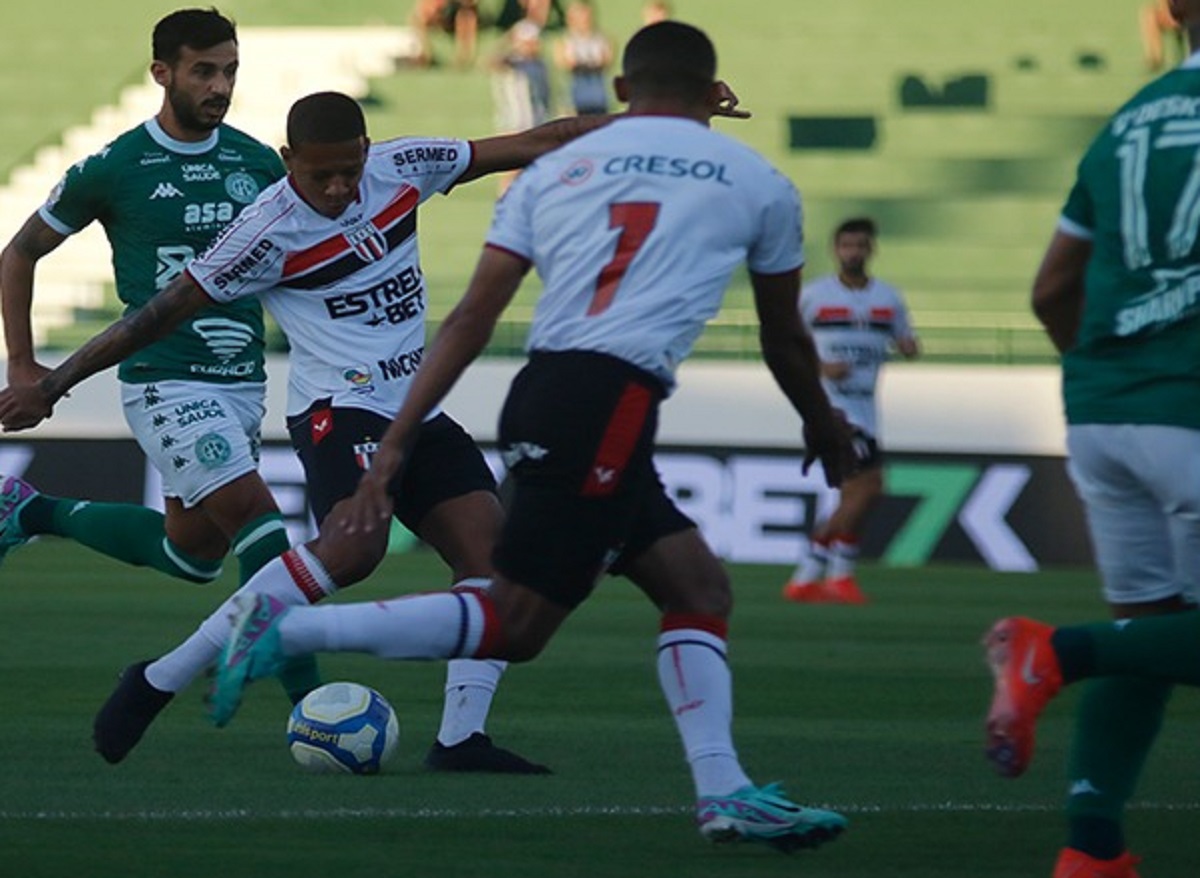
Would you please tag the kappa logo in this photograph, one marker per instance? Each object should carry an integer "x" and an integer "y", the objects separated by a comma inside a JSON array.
[{"x": 165, "y": 190}]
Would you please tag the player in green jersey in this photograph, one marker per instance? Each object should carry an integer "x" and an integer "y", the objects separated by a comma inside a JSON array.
[
  {"x": 195, "y": 398},
  {"x": 1118, "y": 294}
]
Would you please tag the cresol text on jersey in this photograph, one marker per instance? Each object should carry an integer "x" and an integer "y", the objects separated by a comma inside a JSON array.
[{"x": 667, "y": 166}]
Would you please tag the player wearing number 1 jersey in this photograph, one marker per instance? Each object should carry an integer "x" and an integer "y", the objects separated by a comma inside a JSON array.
[
  {"x": 635, "y": 230},
  {"x": 1117, "y": 293}
]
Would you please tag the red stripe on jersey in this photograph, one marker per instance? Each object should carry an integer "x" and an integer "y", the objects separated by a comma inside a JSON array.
[
  {"x": 302, "y": 576},
  {"x": 303, "y": 260},
  {"x": 882, "y": 313},
  {"x": 396, "y": 209},
  {"x": 713, "y": 625},
  {"x": 832, "y": 312},
  {"x": 620, "y": 438},
  {"x": 399, "y": 207}
]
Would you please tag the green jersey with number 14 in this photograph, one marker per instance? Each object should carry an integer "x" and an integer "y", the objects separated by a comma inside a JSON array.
[
  {"x": 161, "y": 202},
  {"x": 1137, "y": 196}
]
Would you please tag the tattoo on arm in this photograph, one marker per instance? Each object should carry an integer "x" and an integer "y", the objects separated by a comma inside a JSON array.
[{"x": 154, "y": 320}]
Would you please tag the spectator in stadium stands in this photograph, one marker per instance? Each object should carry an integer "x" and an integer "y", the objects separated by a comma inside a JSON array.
[
  {"x": 458, "y": 18},
  {"x": 634, "y": 260},
  {"x": 857, "y": 321},
  {"x": 208, "y": 462},
  {"x": 655, "y": 11},
  {"x": 585, "y": 53},
  {"x": 1115, "y": 294},
  {"x": 1155, "y": 21},
  {"x": 520, "y": 80}
]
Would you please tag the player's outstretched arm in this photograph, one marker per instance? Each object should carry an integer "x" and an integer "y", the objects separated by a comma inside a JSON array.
[
  {"x": 791, "y": 355},
  {"x": 1058, "y": 288},
  {"x": 17, "y": 265},
  {"x": 510, "y": 152},
  {"x": 26, "y": 406}
]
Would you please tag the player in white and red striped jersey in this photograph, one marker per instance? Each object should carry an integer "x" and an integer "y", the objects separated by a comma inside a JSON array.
[
  {"x": 635, "y": 230},
  {"x": 857, "y": 321},
  {"x": 332, "y": 252}
]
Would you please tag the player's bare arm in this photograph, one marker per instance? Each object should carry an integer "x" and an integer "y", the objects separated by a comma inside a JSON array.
[
  {"x": 509, "y": 152},
  {"x": 22, "y": 407},
  {"x": 460, "y": 339},
  {"x": 17, "y": 263},
  {"x": 1058, "y": 288},
  {"x": 791, "y": 355}
]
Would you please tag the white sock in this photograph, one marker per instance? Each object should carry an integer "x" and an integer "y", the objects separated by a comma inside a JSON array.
[
  {"x": 297, "y": 578},
  {"x": 812, "y": 565},
  {"x": 843, "y": 553},
  {"x": 470, "y": 686},
  {"x": 446, "y": 624},
  {"x": 696, "y": 681}
]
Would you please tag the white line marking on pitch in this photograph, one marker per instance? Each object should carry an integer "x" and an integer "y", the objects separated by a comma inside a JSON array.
[{"x": 202, "y": 815}]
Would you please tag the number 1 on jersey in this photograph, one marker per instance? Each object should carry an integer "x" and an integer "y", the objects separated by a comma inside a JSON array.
[{"x": 636, "y": 221}]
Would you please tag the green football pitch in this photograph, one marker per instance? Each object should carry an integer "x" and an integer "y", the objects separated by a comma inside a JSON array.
[{"x": 872, "y": 710}]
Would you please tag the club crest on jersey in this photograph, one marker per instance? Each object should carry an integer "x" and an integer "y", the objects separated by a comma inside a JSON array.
[
  {"x": 363, "y": 452},
  {"x": 368, "y": 242},
  {"x": 241, "y": 187}
]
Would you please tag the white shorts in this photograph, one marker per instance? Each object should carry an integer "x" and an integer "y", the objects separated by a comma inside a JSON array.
[
  {"x": 1140, "y": 486},
  {"x": 199, "y": 436}
]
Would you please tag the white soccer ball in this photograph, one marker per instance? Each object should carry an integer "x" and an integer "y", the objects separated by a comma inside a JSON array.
[{"x": 343, "y": 727}]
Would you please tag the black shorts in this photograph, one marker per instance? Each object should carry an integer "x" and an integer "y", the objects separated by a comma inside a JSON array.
[
  {"x": 577, "y": 433},
  {"x": 335, "y": 446},
  {"x": 867, "y": 452}
]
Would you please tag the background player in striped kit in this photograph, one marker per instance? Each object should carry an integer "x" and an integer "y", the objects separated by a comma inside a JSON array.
[{"x": 857, "y": 321}]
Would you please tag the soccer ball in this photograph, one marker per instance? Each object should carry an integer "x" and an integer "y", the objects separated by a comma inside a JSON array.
[{"x": 343, "y": 727}]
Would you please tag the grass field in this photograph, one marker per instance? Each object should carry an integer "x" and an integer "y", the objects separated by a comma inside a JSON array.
[{"x": 874, "y": 711}]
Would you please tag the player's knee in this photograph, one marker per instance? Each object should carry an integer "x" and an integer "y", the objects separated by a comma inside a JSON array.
[
  {"x": 522, "y": 645},
  {"x": 350, "y": 558}
]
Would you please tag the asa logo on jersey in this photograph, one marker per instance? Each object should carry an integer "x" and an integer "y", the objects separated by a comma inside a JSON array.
[
  {"x": 208, "y": 213},
  {"x": 368, "y": 242}
]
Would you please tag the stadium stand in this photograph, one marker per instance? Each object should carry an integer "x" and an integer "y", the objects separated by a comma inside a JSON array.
[
  {"x": 965, "y": 130},
  {"x": 278, "y": 65}
]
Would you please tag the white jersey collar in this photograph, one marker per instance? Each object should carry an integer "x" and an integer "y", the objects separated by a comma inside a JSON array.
[{"x": 165, "y": 140}]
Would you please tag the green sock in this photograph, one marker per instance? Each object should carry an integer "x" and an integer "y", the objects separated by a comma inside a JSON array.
[
  {"x": 1164, "y": 647},
  {"x": 124, "y": 531},
  {"x": 1118, "y": 721},
  {"x": 259, "y": 542}
]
